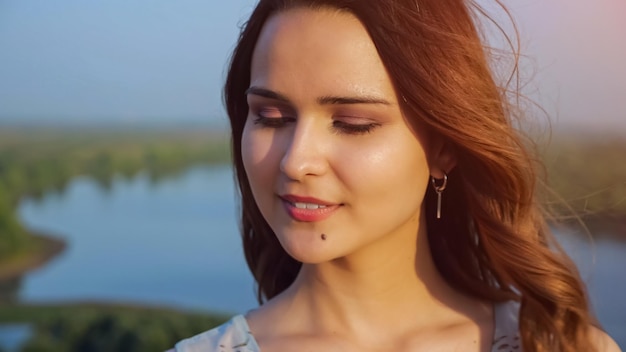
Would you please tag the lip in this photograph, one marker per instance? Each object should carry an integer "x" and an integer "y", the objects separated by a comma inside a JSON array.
[
  {"x": 308, "y": 215},
  {"x": 300, "y": 199}
]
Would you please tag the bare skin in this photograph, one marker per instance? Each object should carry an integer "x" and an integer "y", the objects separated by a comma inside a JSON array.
[
  {"x": 350, "y": 306},
  {"x": 368, "y": 282}
]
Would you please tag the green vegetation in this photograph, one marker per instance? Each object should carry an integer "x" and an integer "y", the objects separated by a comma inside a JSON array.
[
  {"x": 588, "y": 177},
  {"x": 587, "y": 174},
  {"x": 104, "y": 328},
  {"x": 36, "y": 160}
]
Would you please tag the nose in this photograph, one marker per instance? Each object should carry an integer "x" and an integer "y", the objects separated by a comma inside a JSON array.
[{"x": 304, "y": 153}]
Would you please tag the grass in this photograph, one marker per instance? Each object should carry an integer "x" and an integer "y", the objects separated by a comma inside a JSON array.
[
  {"x": 39, "y": 251},
  {"x": 99, "y": 327}
]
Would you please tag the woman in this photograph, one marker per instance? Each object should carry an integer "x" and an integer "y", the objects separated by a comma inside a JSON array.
[{"x": 387, "y": 202}]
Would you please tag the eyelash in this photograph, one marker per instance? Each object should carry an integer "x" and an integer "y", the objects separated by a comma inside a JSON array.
[
  {"x": 354, "y": 129},
  {"x": 273, "y": 122},
  {"x": 339, "y": 127}
]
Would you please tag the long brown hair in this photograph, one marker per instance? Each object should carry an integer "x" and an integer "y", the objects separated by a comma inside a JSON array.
[{"x": 493, "y": 243}]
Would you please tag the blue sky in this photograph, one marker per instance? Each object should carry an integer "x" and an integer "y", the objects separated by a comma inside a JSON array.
[
  {"x": 164, "y": 60},
  {"x": 115, "y": 60}
]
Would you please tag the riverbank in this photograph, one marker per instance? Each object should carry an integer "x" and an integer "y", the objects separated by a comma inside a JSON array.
[
  {"x": 43, "y": 312},
  {"x": 40, "y": 251},
  {"x": 104, "y": 326}
]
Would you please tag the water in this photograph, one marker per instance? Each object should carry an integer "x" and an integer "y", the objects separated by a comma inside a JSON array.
[
  {"x": 176, "y": 243},
  {"x": 13, "y": 336},
  {"x": 601, "y": 263}
]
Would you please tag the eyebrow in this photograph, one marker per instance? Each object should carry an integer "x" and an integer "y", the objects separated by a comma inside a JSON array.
[
  {"x": 266, "y": 93},
  {"x": 325, "y": 100}
]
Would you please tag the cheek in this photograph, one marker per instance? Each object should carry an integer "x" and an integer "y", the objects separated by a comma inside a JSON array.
[
  {"x": 255, "y": 151},
  {"x": 388, "y": 176},
  {"x": 392, "y": 156},
  {"x": 260, "y": 163},
  {"x": 248, "y": 151}
]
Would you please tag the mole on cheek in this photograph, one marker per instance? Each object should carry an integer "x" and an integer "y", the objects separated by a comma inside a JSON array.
[{"x": 323, "y": 237}]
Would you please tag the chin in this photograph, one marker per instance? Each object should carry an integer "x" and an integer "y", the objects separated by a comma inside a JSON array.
[{"x": 309, "y": 252}]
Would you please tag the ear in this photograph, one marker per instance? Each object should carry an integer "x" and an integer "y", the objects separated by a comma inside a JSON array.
[{"x": 442, "y": 158}]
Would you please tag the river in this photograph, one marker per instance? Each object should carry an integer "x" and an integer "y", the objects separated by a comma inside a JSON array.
[{"x": 175, "y": 242}]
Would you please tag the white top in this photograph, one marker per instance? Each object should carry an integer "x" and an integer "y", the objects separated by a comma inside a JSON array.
[{"x": 235, "y": 335}]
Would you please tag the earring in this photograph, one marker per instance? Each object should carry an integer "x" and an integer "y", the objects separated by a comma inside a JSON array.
[{"x": 439, "y": 189}]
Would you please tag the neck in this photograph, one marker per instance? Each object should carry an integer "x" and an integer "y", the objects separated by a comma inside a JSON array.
[{"x": 384, "y": 283}]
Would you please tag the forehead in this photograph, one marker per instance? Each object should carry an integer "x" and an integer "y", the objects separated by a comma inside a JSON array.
[{"x": 318, "y": 50}]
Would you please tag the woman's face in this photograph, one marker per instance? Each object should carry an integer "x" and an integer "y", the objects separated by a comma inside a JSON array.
[{"x": 333, "y": 165}]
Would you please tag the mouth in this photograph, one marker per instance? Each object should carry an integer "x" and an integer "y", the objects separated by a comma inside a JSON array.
[
  {"x": 303, "y": 202},
  {"x": 301, "y": 205},
  {"x": 307, "y": 209}
]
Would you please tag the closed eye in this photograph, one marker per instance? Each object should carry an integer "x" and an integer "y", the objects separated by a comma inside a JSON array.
[
  {"x": 272, "y": 117},
  {"x": 273, "y": 122},
  {"x": 353, "y": 129}
]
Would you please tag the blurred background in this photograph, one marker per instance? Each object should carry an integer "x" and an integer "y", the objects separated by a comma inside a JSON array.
[{"x": 118, "y": 227}]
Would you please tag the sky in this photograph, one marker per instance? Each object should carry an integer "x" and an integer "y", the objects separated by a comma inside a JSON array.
[{"x": 164, "y": 61}]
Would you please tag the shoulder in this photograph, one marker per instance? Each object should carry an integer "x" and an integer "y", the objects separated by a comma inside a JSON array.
[
  {"x": 602, "y": 341},
  {"x": 233, "y": 335}
]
